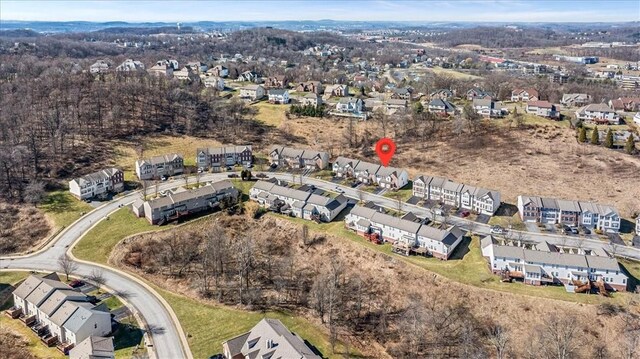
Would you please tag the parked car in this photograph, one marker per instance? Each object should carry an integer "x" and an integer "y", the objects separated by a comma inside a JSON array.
[
  {"x": 274, "y": 165},
  {"x": 566, "y": 229},
  {"x": 585, "y": 230},
  {"x": 261, "y": 175},
  {"x": 465, "y": 214},
  {"x": 76, "y": 283},
  {"x": 497, "y": 230},
  {"x": 200, "y": 169},
  {"x": 232, "y": 175},
  {"x": 164, "y": 178},
  {"x": 574, "y": 230}
]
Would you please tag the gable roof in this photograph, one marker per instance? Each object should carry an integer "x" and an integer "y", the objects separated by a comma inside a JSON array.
[{"x": 93, "y": 348}]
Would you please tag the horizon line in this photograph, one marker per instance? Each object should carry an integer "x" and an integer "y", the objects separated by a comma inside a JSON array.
[{"x": 361, "y": 21}]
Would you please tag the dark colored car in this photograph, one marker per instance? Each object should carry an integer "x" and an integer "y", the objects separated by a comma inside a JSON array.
[
  {"x": 585, "y": 230},
  {"x": 232, "y": 175},
  {"x": 76, "y": 283},
  {"x": 465, "y": 214}
]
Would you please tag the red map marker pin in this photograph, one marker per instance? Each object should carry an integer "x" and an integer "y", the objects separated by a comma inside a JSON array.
[{"x": 385, "y": 148}]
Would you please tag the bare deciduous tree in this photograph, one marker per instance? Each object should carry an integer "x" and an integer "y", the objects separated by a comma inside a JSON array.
[
  {"x": 97, "y": 278},
  {"x": 67, "y": 266}
]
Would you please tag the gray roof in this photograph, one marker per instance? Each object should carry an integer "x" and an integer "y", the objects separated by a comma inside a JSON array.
[
  {"x": 343, "y": 161},
  {"x": 278, "y": 92},
  {"x": 319, "y": 200},
  {"x": 508, "y": 252},
  {"x": 452, "y": 186},
  {"x": 157, "y": 160},
  {"x": 363, "y": 222},
  {"x": 442, "y": 103},
  {"x": 290, "y": 193},
  {"x": 395, "y": 222},
  {"x": 487, "y": 241},
  {"x": 98, "y": 176},
  {"x": 549, "y": 203},
  {"x": 93, "y": 348},
  {"x": 263, "y": 185},
  {"x": 44, "y": 290},
  {"x": 27, "y": 286},
  {"x": 83, "y": 312},
  {"x": 568, "y": 206},
  {"x": 606, "y": 263},
  {"x": 535, "y": 200},
  {"x": 448, "y": 237},
  {"x": 291, "y": 152},
  {"x": 437, "y": 181},
  {"x": 179, "y": 197},
  {"x": 286, "y": 343},
  {"x": 224, "y": 149},
  {"x": 557, "y": 258},
  {"x": 532, "y": 269},
  {"x": 596, "y": 107},
  {"x": 58, "y": 297},
  {"x": 362, "y": 211},
  {"x": 367, "y": 166}
]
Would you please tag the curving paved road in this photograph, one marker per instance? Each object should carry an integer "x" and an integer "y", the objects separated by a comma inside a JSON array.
[{"x": 167, "y": 336}]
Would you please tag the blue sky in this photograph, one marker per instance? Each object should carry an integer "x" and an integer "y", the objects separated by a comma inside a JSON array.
[{"x": 362, "y": 10}]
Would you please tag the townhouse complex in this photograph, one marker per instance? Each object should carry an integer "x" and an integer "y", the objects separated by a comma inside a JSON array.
[
  {"x": 370, "y": 173},
  {"x": 59, "y": 314},
  {"x": 268, "y": 339},
  {"x": 572, "y": 213},
  {"x": 97, "y": 184},
  {"x": 159, "y": 166},
  {"x": 298, "y": 158},
  {"x": 94, "y": 348},
  {"x": 408, "y": 233},
  {"x": 543, "y": 263},
  {"x": 216, "y": 157},
  {"x": 456, "y": 194},
  {"x": 183, "y": 202},
  {"x": 299, "y": 203}
]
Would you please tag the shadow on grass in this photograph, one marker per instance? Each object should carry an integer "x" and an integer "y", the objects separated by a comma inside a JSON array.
[
  {"x": 58, "y": 202},
  {"x": 462, "y": 249},
  {"x": 127, "y": 336},
  {"x": 634, "y": 282}
]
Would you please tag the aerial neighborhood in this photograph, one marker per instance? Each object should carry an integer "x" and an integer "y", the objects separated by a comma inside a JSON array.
[{"x": 229, "y": 188}]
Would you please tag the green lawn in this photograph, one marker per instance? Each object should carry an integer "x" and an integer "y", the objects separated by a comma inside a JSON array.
[
  {"x": 98, "y": 243},
  {"x": 208, "y": 325},
  {"x": 472, "y": 269},
  {"x": 403, "y": 193},
  {"x": 63, "y": 208},
  {"x": 126, "y": 337}
]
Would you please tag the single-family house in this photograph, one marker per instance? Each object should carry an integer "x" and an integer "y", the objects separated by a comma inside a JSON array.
[
  {"x": 543, "y": 109},
  {"x": 252, "y": 92},
  {"x": 488, "y": 107},
  {"x": 476, "y": 93},
  {"x": 249, "y": 76},
  {"x": 278, "y": 96},
  {"x": 198, "y": 67},
  {"x": 100, "y": 67},
  {"x": 214, "y": 82},
  {"x": 216, "y": 157},
  {"x": 442, "y": 94},
  {"x": 402, "y": 93},
  {"x": 186, "y": 74},
  {"x": 311, "y": 99},
  {"x": 184, "y": 202},
  {"x": 268, "y": 339},
  {"x": 599, "y": 113},
  {"x": 441, "y": 107},
  {"x": 130, "y": 65},
  {"x": 97, "y": 184},
  {"x": 336, "y": 91},
  {"x": 575, "y": 99},
  {"x": 164, "y": 68},
  {"x": 310, "y": 86},
  {"x": 351, "y": 105},
  {"x": 159, "y": 166},
  {"x": 219, "y": 71},
  {"x": 396, "y": 104},
  {"x": 525, "y": 95},
  {"x": 277, "y": 81}
]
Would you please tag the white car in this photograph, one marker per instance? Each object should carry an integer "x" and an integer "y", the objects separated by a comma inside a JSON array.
[{"x": 497, "y": 230}]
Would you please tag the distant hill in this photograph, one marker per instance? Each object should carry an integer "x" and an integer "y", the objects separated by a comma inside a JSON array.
[{"x": 19, "y": 33}]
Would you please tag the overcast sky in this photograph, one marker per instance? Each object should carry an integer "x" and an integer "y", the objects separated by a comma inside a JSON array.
[{"x": 362, "y": 10}]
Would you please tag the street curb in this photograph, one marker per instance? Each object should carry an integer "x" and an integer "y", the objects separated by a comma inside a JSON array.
[{"x": 183, "y": 338}]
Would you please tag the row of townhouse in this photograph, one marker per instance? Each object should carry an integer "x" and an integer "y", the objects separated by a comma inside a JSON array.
[
  {"x": 216, "y": 157},
  {"x": 546, "y": 265},
  {"x": 298, "y": 158},
  {"x": 299, "y": 203},
  {"x": 159, "y": 166},
  {"x": 370, "y": 173},
  {"x": 439, "y": 243},
  {"x": 572, "y": 213},
  {"x": 97, "y": 184},
  {"x": 183, "y": 202},
  {"x": 456, "y": 194},
  {"x": 59, "y": 314}
]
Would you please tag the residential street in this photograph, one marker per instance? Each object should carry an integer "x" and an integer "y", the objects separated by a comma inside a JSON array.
[{"x": 164, "y": 331}]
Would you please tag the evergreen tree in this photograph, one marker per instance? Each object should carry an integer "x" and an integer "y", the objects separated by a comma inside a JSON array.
[
  {"x": 608, "y": 141},
  {"x": 595, "y": 139},
  {"x": 630, "y": 146},
  {"x": 418, "y": 108},
  {"x": 582, "y": 135}
]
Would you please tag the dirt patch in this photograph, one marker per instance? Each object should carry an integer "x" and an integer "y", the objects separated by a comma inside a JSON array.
[
  {"x": 21, "y": 227},
  {"x": 384, "y": 291},
  {"x": 539, "y": 160}
]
